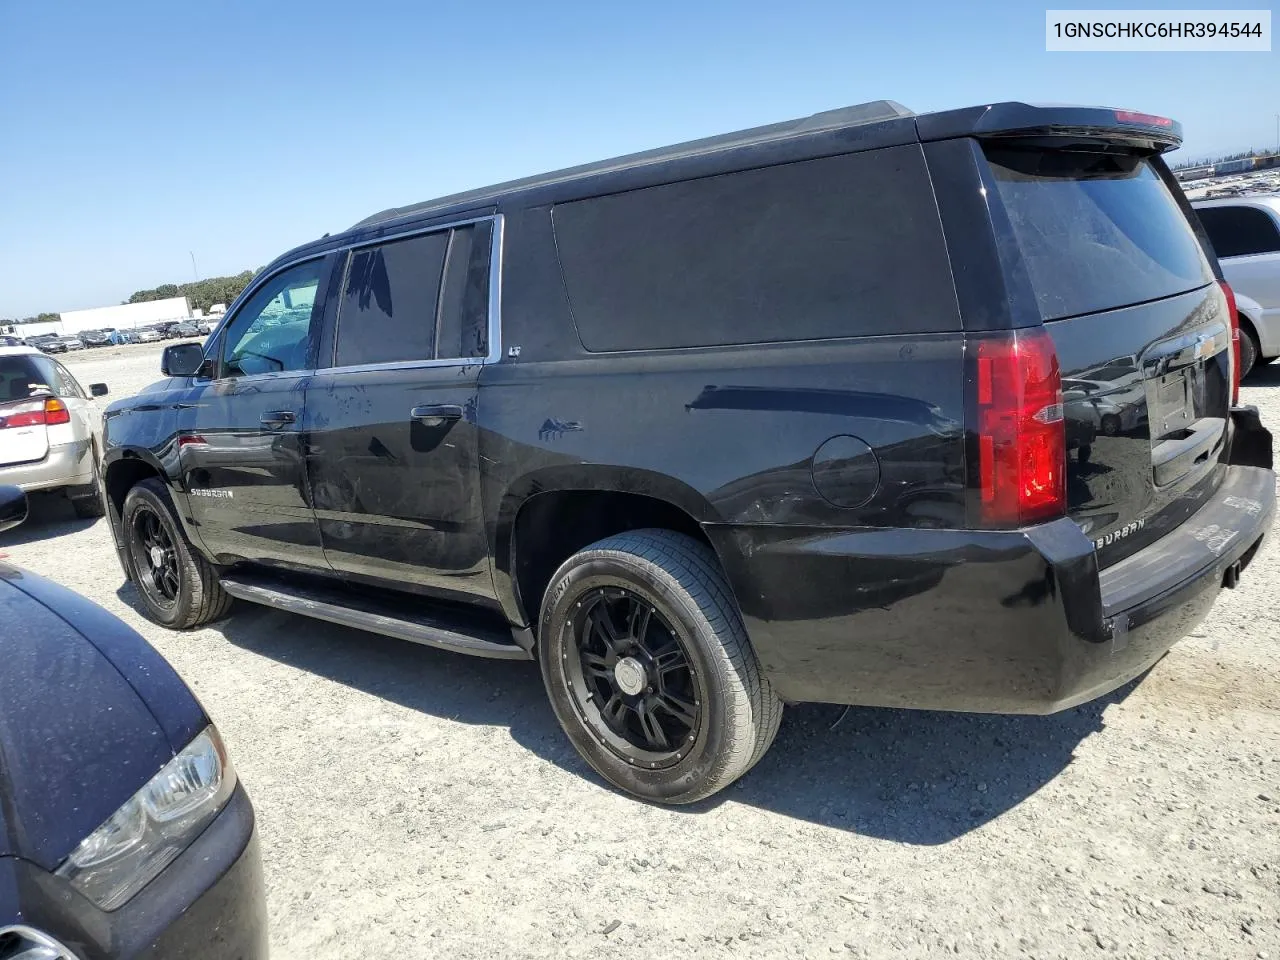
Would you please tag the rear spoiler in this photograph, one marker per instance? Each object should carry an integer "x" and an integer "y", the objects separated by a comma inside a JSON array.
[{"x": 1025, "y": 121}]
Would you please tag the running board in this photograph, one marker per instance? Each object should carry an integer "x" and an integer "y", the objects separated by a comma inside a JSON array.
[{"x": 350, "y": 609}]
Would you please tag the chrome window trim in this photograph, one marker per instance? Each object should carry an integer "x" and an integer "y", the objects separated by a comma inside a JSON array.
[{"x": 495, "y": 299}]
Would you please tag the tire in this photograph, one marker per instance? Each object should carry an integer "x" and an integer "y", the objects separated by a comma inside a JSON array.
[
  {"x": 711, "y": 718},
  {"x": 1110, "y": 425},
  {"x": 90, "y": 505},
  {"x": 179, "y": 588},
  {"x": 1248, "y": 351}
]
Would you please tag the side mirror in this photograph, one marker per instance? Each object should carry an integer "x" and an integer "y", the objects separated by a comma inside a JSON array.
[
  {"x": 98, "y": 389},
  {"x": 13, "y": 507},
  {"x": 182, "y": 360}
]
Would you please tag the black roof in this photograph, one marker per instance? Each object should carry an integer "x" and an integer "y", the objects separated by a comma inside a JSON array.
[
  {"x": 880, "y": 123},
  {"x": 877, "y": 111}
]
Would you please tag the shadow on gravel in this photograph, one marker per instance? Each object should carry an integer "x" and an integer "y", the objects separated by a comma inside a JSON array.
[
  {"x": 917, "y": 777},
  {"x": 48, "y": 515}
]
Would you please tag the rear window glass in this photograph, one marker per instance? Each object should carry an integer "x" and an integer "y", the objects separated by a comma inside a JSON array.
[
  {"x": 1095, "y": 231},
  {"x": 18, "y": 378},
  {"x": 835, "y": 247}
]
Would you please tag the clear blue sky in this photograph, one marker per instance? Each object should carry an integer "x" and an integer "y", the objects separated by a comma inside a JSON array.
[{"x": 138, "y": 130}]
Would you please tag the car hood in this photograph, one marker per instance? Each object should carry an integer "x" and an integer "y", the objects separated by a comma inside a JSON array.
[{"x": 88, "y": 713}]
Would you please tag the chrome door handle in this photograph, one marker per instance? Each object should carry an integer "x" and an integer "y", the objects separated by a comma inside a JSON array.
[
  {"x": 274, "y": 419},
  {"x": 434, "y": 414}
]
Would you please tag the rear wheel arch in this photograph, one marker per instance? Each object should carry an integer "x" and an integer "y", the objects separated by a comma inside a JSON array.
[{"x": 544, "y": 525}]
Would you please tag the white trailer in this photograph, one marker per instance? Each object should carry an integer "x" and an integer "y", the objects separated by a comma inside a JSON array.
[{"x": 126, "y": 316}]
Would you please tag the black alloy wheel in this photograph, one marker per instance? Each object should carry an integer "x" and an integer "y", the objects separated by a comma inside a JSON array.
[
  {"x": 154, "y": 557},
  {"x": 633, "y": 683}
]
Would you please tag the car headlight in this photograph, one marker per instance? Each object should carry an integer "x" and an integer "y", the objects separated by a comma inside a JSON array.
[{"x": 155, "y": 825}]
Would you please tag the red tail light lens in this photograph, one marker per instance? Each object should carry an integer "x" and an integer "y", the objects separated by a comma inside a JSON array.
[
  {"x": 56, "y": 412},
  {"x": 28, "y": 414},
  {"x": 35, "y": 413},
  {"x": 1235, "y": 341},
  {"x": 1021, "y": 434}
]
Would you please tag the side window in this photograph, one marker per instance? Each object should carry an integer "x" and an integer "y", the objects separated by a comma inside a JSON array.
[
  {"x": 56, "y": 378},
  {"x": 388, "y": 308},
  {"x": 272, "y": 332},
  {"x": 463, "y": 329},
  {"x": 835, "y": 247},
  {"x": 73, "y": 385},
  {"x": 1240, "y": 231}
]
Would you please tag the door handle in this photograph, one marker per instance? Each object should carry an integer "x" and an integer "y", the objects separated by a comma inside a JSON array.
[
  {"x": 434, "y": 414},
  {"x": 274, "y": 419}
]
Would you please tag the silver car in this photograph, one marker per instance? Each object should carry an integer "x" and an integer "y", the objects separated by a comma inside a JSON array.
[
  {"x": 1245, "y": 232},
  {"x": 50, "y": 429}
]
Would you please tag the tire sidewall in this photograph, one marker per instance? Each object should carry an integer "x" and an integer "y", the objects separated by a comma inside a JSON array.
[
  {"x": 1248, "y": 353},
  {"x": 143, "y": 496},
  {"x": 577, "y": 578}
]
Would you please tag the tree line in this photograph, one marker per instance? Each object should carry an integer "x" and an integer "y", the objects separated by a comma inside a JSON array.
[
  {"x": 1242, "y": 155},
  {"x": 201, "y": 294}
]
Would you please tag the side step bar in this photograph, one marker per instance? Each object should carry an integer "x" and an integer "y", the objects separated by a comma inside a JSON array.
[{"x": 450, "y": 633}]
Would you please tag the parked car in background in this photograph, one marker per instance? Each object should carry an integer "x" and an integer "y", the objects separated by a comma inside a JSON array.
[
  {"x": 126, "y": 830},
  {"x": 49, "y": 343},
  {"x": 120, "y": 337},
  {"x": 166, "y": 329},
  {"x": 1245, "y": 233},
  {"x": 50, "y": 429},
  {"x": 206, "y": 326},
  {"x": 72, "y": 343},
  {"x": 147, "y": 335},
  {"x": 96, "y": 338},
  {"x": 184, "y": 330},
  {"x": 7, "y": 340},
  {"x": 773, "y": 417}
]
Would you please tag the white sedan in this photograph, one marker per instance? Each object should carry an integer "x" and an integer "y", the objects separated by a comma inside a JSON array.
[{"x": 50, "y": 429}]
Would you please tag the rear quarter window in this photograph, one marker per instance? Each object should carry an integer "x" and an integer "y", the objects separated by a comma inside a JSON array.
[
  {"x": 837, "y": 247},
  {"x": 1095, "y": 231}
]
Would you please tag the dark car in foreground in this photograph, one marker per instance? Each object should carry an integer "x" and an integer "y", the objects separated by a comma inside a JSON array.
[
  {"x": 932, "y": 411},
  {"x": 123, "y": 829}
]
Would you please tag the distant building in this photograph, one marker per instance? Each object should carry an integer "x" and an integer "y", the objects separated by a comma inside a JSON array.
[
  {"x": 25, "y": 330},
  {"x": 217, "y": 309},
  {"x": 126, "y": 316}
]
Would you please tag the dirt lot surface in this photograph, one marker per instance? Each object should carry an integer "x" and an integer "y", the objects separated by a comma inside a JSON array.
[{"x": 414, "y": 803}]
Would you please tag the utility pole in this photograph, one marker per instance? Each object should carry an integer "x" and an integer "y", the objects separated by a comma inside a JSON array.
[{"x": 193, "y": 265}]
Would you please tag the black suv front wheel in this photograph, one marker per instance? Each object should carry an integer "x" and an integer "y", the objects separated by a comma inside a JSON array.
[
  {"x": 179, "y": 588},
  {"x": 649, "y": 669}
]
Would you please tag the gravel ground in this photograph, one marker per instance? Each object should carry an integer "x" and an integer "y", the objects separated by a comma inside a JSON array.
[{"x": 414, "y": 803}]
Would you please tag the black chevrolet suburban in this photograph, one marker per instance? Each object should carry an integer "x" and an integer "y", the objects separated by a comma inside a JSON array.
[{"x": 934, "y": 411}]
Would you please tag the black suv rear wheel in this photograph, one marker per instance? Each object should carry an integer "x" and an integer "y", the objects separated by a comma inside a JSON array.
[
  {"x": 649, "y": 669},
  {"x": 179, "y": 588}
]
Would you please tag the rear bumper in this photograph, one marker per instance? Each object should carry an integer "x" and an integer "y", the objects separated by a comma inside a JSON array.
[
  {"x": 65, "y": 465},
  {"x": 1000, "y": 622}
]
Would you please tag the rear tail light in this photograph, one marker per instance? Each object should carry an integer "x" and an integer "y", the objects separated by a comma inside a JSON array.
[
  {"x": 56, "y": 412},
  {"x": 1021, "y": 444},
  {"x": 1235, "y": 341},
  {"x": 49, "y": 411}
]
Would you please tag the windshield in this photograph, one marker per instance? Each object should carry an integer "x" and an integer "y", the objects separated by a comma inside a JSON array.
[{"x": 1095, "y": 231}]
